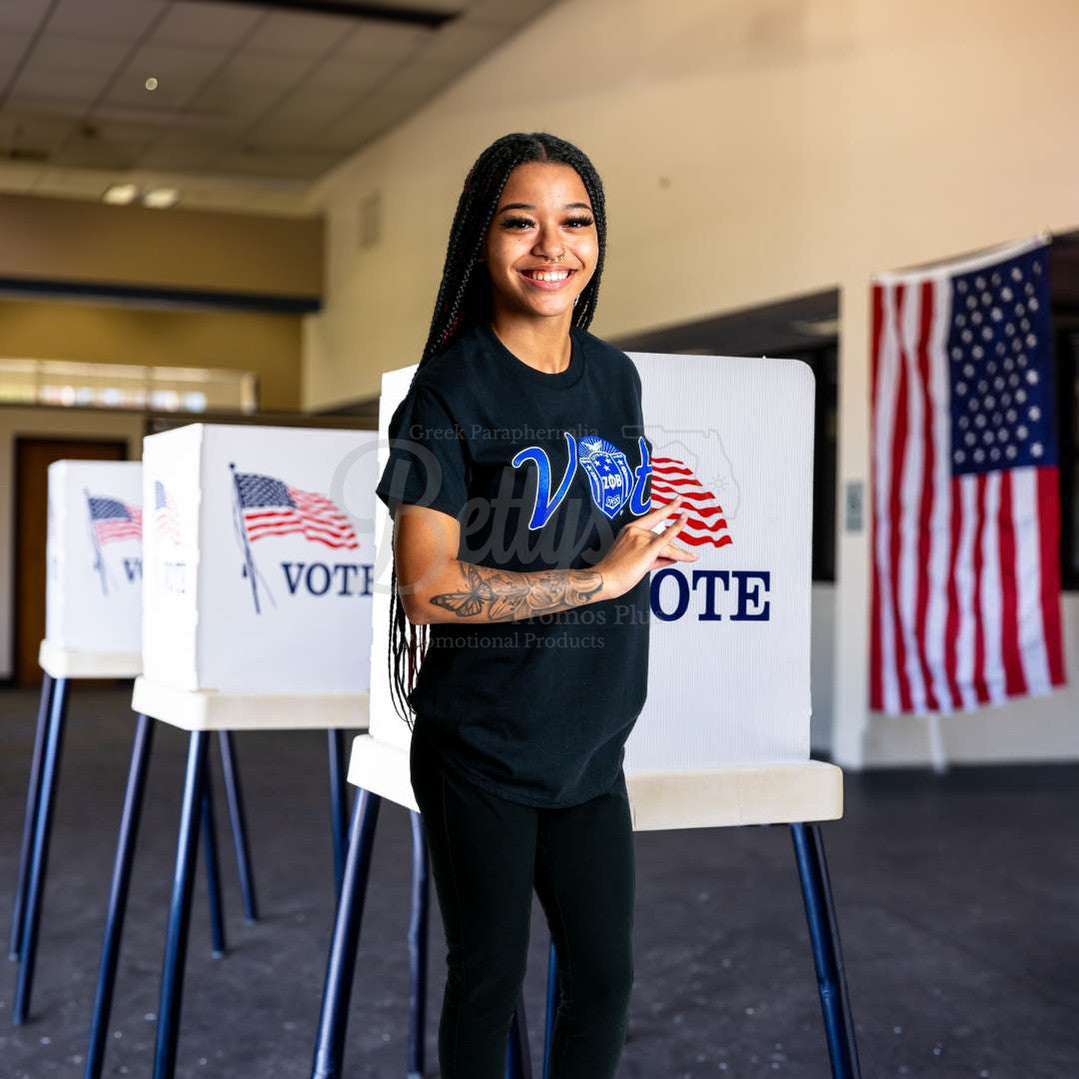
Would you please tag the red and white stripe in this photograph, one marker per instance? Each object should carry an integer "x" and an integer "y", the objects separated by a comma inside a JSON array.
[
  {"x": 672, "y": 478},
  {"x": 120, "y": 528},
  {"x": 315, "y": 517},
  {"x": 965, "y": 571}
]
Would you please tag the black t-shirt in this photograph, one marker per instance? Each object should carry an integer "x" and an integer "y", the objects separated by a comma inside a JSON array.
[{"x": 541, "y": 471}]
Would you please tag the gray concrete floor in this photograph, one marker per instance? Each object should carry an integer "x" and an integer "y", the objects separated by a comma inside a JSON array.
[{"x": 958, "y": 903}]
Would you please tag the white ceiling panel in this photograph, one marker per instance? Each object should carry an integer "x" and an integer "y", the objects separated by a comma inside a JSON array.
[
  {"x": 305, "y": 35},
  {"x": 180, "y": 72},
  {"x": 356, "y": 126},
  {"x": 371, "y": 39},
  {"x": 219, "y": 26},
  {"x": 12, "y": 48},
  {"x": 116, "y": 20},
  {"x": 22, "y": 14},
  {"x": 342, "y": 79},
  {"x": 461, "y": 44},
  {"x": 392, "y": 102},
  {"x": 254, "y": 69},
  {"x": 54, "y": 52},
  {"x": 417, "y": 83},
  {"x": 303, "y": 116},
  {"x": 224, "y": 105},
  {"x": 68, "y": 90}
]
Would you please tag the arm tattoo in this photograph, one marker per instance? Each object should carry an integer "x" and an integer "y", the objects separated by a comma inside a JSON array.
[{"x": 507, "y": 596}]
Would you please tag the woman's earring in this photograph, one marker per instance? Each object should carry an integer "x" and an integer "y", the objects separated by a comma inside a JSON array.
[{"x": 576, "y": 298}]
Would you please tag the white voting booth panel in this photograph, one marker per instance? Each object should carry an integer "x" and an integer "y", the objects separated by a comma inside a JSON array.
[
  {"x": 259, "y": 560},
  {"x": 93, "y": 589},
  {"x": 724, "y": 735}
]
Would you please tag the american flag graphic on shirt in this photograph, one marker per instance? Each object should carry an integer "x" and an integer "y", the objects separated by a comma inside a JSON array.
[
  {"x": 273, "y": 508},
  {"x": 965, "y": 496},
  {"x": 114, "y": 520}
]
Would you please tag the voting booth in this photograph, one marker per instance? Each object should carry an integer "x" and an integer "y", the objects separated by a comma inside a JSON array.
[
  {"x": 257, "y": 608},
  {"x": 93, "y": 590},
  {"x": 724, "y": 737},
  {"x": 256, "y": 615},
  {"x": 729, "y": 634},
  {"x": 93, "y": 607}
]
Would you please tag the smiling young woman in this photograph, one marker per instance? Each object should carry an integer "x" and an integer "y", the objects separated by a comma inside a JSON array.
[{"x": 519, "y": 483}]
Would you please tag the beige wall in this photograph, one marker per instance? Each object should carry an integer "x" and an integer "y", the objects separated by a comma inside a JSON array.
[
  {"x": 270, "y": 345},
  {"x": 45, "y": 423},
  {"x": 751, "y": 150},
  {"x": 77, "y": 240}
]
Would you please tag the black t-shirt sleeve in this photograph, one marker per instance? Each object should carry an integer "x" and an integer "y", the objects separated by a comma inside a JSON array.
[
  {"x": 638, "y": 427},
  {"x": 427, "y": 465}
]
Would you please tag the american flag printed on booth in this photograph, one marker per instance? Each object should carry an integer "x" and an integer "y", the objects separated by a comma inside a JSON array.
[
  {"x": 673, "y": 477},
  {"x": 965, "y": 497},
  {"x": 273, "y": 508},
  {"x": 165, "y": 519},
  {"x": 114, "y": 520}
]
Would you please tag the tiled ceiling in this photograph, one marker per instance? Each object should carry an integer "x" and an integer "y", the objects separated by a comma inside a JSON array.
[{"x": 254, "y": 101}]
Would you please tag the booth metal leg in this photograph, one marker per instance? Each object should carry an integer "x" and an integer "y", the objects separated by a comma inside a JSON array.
[
  {"x": 827, "y": 953},
  {"x": 172, "y": 975},
  {"x": 417, "y": 949},
  {"x": 50, "y": 764},
  {"x": 518, "y": 1059},
  {"x": 552, "y": 1004},
  {"x": 338, "y": 805},
  {"x": 213, "y": 872},
  {"x": 29, "y": 824},
  {"x": 337, "y": 989},
  {"x": 234, "y": 794},
  {"x": 121, "y": 879}
]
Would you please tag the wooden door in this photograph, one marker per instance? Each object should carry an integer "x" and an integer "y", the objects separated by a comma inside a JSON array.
[{"x": 32, "y": 459}]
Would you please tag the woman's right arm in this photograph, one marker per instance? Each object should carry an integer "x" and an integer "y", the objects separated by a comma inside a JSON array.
[{"x": 436, "y": 586}]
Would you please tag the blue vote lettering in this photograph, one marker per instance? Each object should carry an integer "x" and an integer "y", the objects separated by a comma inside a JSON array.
[
  {"x": 323, "y": 579},
  {"x": 545, "y": 505},
  {"x": 749, "y": 604},
  {"x": 637, "y": 503}
]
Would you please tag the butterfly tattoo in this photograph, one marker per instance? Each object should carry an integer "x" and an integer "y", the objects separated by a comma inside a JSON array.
[{"x": 508, "y": 596}]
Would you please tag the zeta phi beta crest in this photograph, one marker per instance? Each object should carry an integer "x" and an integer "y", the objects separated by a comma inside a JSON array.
[
  {"x": 608, "y": 474},
  {"x": 612, "y": 481}
]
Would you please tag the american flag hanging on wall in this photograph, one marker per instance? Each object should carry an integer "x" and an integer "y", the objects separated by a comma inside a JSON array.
[{"x": 965, "y": 497}]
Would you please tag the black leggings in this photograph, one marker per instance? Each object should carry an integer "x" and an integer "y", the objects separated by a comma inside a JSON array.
[{"x": 487, "y": 854}]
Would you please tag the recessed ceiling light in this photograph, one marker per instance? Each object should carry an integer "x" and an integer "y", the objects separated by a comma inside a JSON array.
[
  {"x": 151, "y": 83},
  {"x": 161, "y": 198},
  {"x": 121, "y": 194}
]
